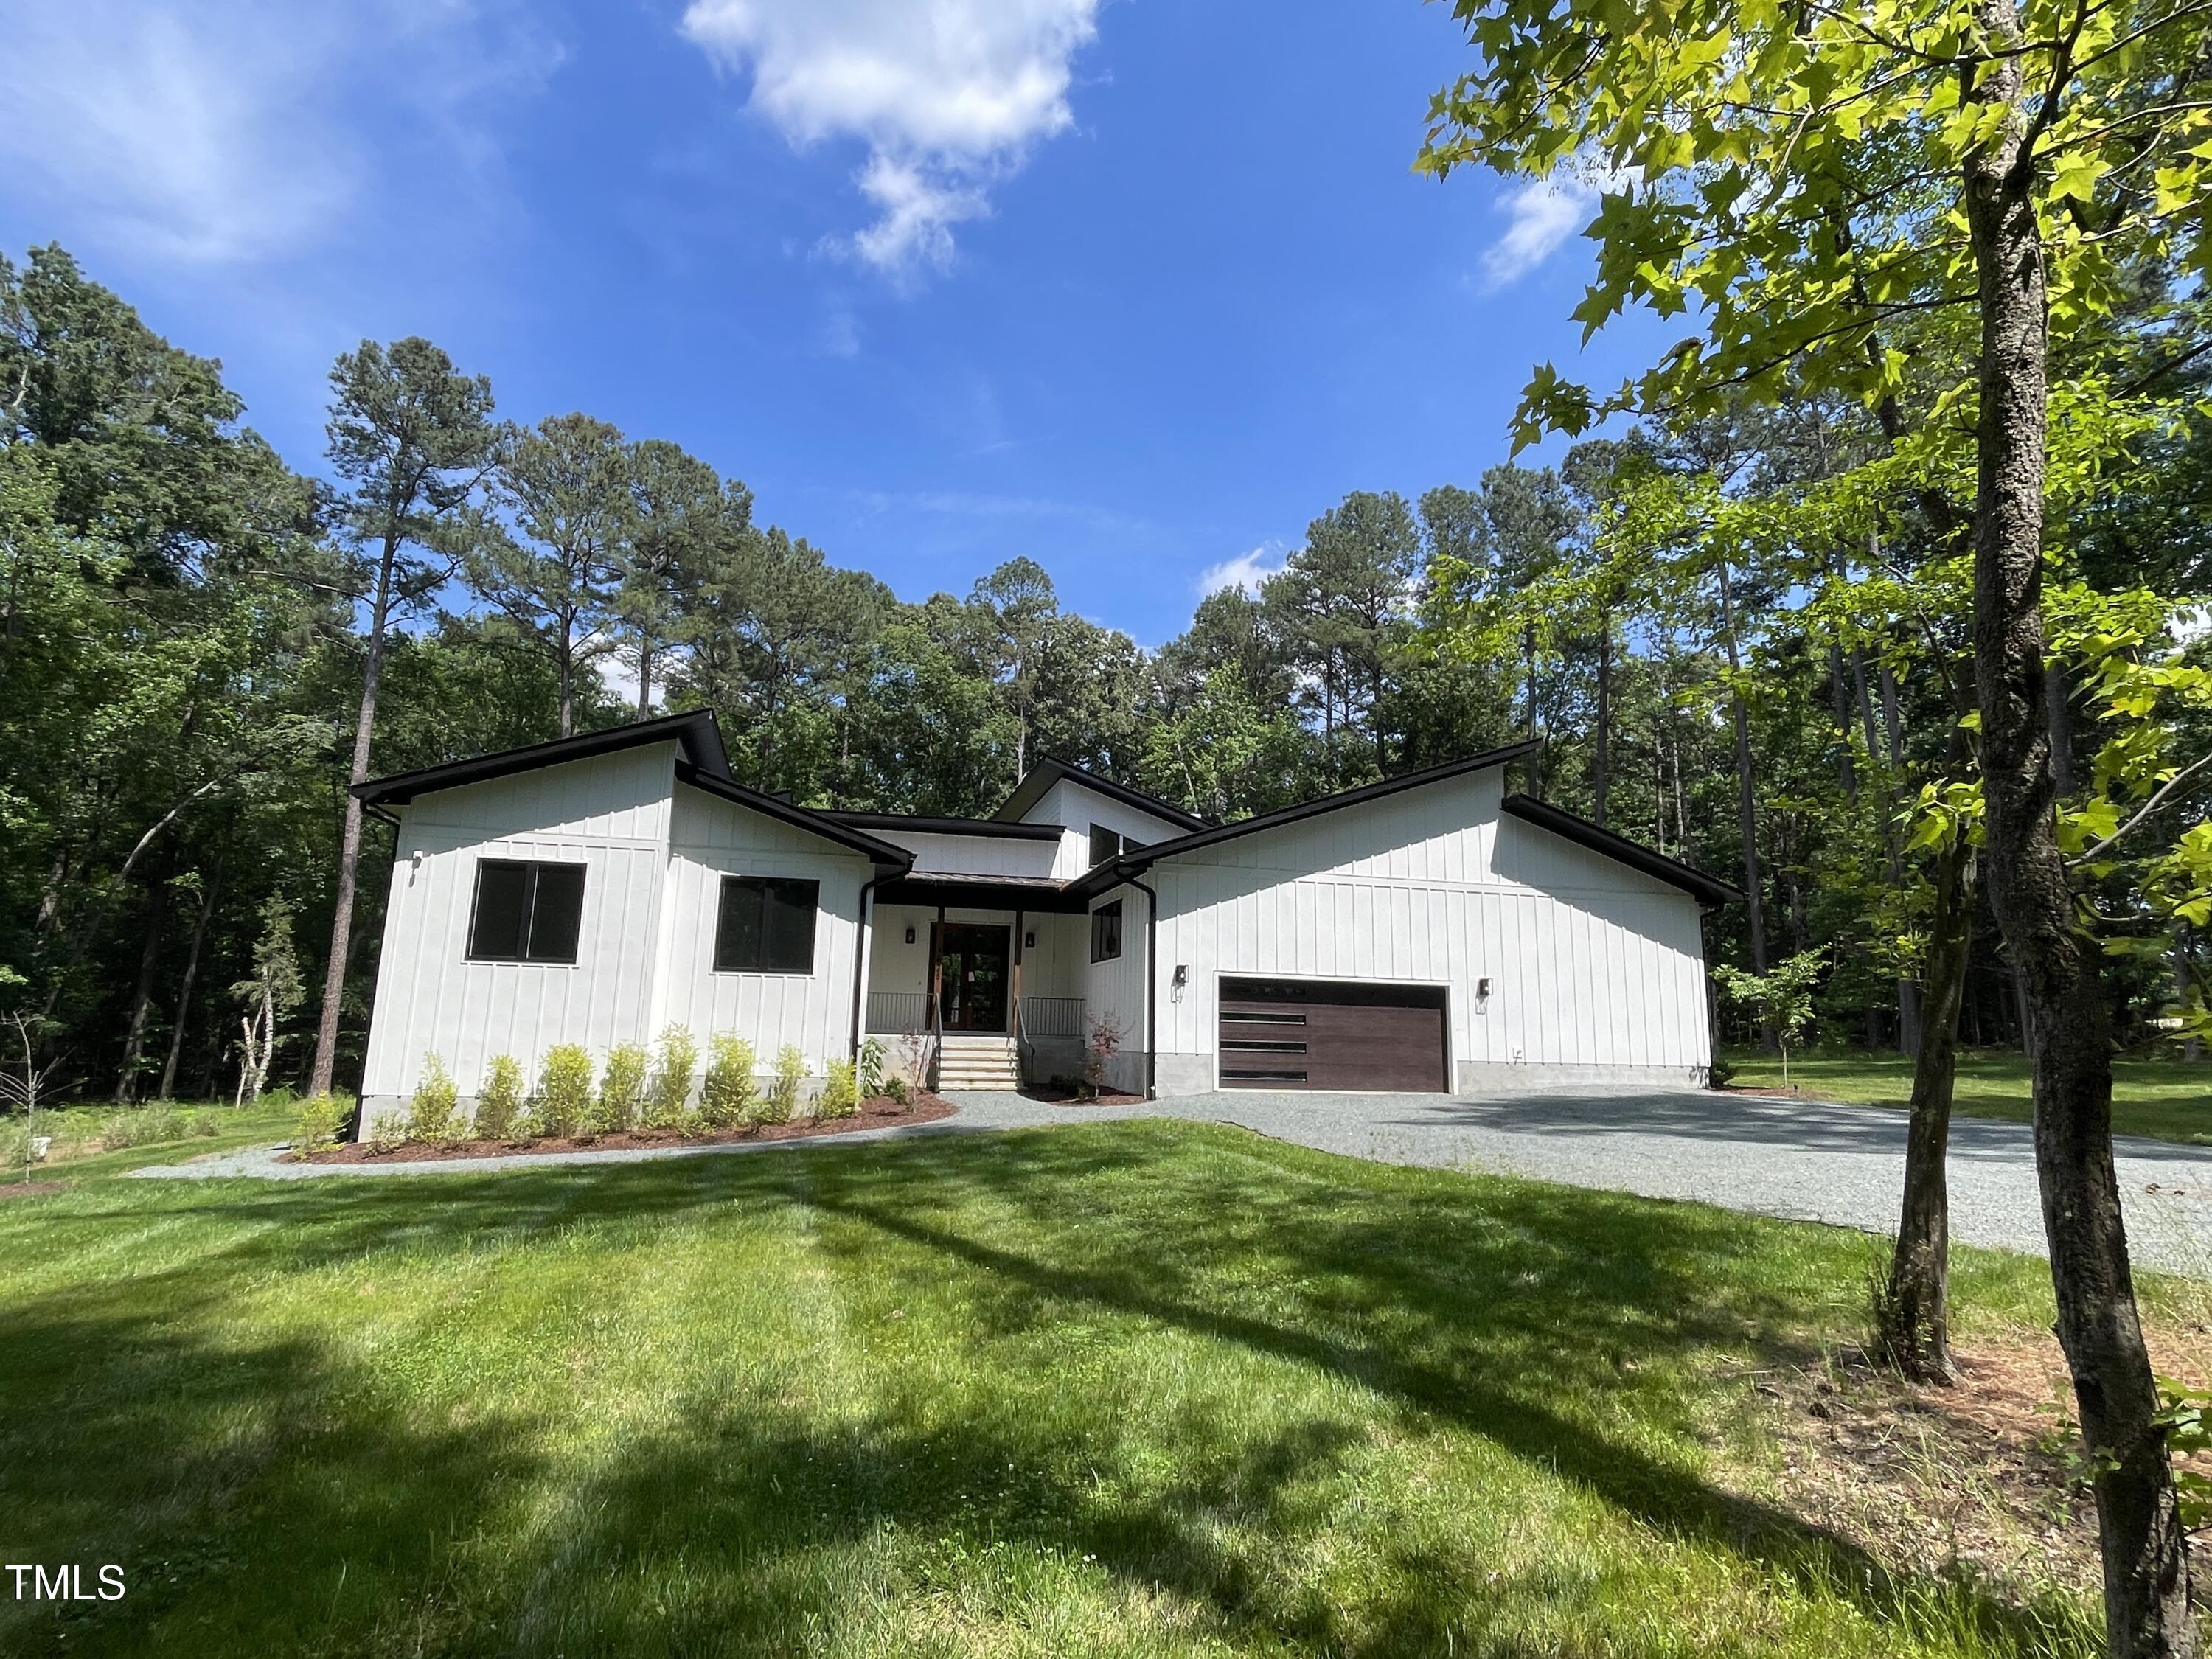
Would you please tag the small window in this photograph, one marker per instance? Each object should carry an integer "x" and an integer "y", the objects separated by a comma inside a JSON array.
[
  {"x": 1106, "y": 932},
  {"x": 767, "y": 926},
  {"x": 526, "y": 912},
  {"x": 1104, "y": 844}
]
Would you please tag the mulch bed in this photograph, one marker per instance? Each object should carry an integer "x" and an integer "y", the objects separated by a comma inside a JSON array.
[
  {"x": 879, "y": 1113},
  {"x": 1067, "y": 1097},
  {"x": 29, "y": 1189}
]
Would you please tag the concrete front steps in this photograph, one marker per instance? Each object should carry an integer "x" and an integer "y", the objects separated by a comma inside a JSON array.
[{"x": 973, "y": 1062}]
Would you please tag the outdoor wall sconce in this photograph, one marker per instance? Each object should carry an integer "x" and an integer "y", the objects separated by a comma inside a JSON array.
[
  {"x": 1482, "y": 987},
  {"x": 1029, "y": 940},
  {"x": 1181, "y": 978},
  {"x": 909, "y": 940}
]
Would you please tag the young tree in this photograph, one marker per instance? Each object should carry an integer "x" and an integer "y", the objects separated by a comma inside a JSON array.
[
  {"x": 411, "y": 437},
  {"x": 1812, "y": 180},
  {"x": 565, "y": 486}
]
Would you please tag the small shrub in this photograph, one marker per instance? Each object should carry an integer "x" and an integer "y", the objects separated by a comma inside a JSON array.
[
  {"x": 499, "y": 1098},
  {"x": 899, "y": 1089},
  {"x": 143, "y": 1126},
  {"x": 841, "y": 1095},
  {"x": 726, "y": 1093},
  {"x": 782, "y": 1103},
  {"x": 1098, "y": 1053},
  {"x": 668, "y": 1099},
  {"x": 320, "y": 1121},
  {"x": 870, "y": 1069},
  {"x": 564, "y": 1090},
  {"x": 622, "y": 1088},
  {"x": 434, "y": 1115}
]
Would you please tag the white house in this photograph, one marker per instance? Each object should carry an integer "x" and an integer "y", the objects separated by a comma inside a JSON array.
[{"x": 1430, "y": 933}]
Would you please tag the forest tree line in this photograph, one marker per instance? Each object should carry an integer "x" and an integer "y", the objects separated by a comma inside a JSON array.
[{"x": 200, "y": 648}]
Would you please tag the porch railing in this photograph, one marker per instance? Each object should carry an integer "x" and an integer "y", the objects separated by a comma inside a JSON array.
[
  {"x": 1052, "y": 1016},
  {"x": 892, "y": 1013}
]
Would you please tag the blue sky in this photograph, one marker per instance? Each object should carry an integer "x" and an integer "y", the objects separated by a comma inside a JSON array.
[{"x": 1136, "y": 287}]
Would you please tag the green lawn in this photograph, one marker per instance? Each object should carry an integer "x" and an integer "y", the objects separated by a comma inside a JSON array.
[
  {"x": 2165, "y": 1099},
  {"x": 1134, "y": 1389}
]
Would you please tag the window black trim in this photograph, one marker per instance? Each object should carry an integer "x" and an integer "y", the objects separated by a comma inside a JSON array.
[
  {"x": 533, "y": 922},
  {"x": 1106, "y": 933},
  {"x": 801, "y": 952}
]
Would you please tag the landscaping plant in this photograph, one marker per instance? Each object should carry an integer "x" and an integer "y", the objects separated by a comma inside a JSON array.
[
  {"x": 499, "y": 1098},
  {"x": 668, "y": 1098},
  {"x": 870, "y": 1069},
  {"x": 1782, "y": 999},
  {"x": 727, "y": 1090},
  {"x": 840, "y": 1094},
  {"x": 320, "y": 1120},
  {"x": 622, "y": 1088},
  {"x": 564, "y": 1090},
  {"x": 433, "y": 1113},
  {"x": 781, "y": 1104}
]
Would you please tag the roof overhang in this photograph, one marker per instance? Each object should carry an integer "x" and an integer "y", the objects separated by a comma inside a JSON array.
[
  {"x": 929, "y": 826},
  {"x": 1708, "y": 891},
  {"x": 882, "y": 853},
  {"x": 931, "y": 888},
  {"x": 1040, "y": 779},
  {"x": 698, "y": 741},
  {"x": 1118, "y": 869}
]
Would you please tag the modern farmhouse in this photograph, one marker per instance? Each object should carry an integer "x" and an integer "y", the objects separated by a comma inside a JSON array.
[{"x": 1430, "y": 932}]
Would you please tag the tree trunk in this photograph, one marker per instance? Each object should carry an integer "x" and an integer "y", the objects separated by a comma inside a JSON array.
[
  {"x": 2058, "y": 695},
  {"x": 1847, "y": 772},
  {"x": 2145, "y": 1560},
  {"x": 1747, "y": 809},
  {"x": 142, "y": 994},
  {"x": 334, "y": 967},
  {"x": 192, "y": 974},
  {"x": 1915, "y": 1325},
  {"x": 1603, "y": 769}
]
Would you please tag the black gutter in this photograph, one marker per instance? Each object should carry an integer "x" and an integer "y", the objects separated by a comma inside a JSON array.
[
  {"x": 927, "y": 826},
  {"x": 1151, "y": 989},
  {"x": 880, "y": 853}
]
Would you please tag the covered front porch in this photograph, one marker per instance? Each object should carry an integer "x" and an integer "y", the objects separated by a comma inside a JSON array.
[{"x": 978, "y": 984}]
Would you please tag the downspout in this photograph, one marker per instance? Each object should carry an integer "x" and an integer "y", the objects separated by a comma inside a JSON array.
[
  {"x": 861, "y": 954},
  {"x": 1151, "y": 988}
]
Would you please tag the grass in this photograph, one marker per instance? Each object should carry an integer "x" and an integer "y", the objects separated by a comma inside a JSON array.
[
  {"x": 1120, "y": 1389},
  {"x": 2162, "y": 1099}
]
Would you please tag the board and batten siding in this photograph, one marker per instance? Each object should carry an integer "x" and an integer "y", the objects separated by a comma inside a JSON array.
[
  {"x": 609, "y": 814},
  {"x": 1113, "y": 992},
  {"x": 709, "y": 839},
  {"x": 1075, "y": 808},
  {"x": 973, "y": 855},
  {"x": 1596, "y": 971}
]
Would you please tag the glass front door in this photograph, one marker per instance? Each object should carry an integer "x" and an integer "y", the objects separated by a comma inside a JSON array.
[{"x": 971, "y": 962}]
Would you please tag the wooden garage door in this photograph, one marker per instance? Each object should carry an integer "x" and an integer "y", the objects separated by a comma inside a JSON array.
[{"x": 1289, "y": 1034}]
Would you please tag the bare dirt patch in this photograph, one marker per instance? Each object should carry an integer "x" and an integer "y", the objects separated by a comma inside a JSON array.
[
  {"x": 879, "y": 1113},
  {"x": 29, "y": 1189},
  {"x": 1984, "y": 1477}
]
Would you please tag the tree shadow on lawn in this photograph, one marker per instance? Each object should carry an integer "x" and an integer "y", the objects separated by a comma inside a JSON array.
[{"x": 1569, "y": 1330}]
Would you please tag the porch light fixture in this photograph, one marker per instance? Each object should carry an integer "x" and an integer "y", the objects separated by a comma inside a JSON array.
[
  {"x": 1029, "y": 939},
  {"x": 909, "y": 934},
  {"x": 1482, "y": 987}
]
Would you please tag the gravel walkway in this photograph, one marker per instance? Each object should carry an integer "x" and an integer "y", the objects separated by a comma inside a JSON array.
[{"x": 1805, "y": 1160}]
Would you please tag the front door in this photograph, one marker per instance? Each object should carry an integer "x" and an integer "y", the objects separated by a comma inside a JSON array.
[{"x": 971, "y": 960}]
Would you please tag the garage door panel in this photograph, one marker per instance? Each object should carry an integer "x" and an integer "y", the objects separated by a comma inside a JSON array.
[{"x": 1292, "y": 1035}]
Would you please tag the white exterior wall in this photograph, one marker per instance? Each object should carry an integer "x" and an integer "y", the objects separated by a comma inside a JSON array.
[
  {"x": 973, "y": 855},
  {"x": 1114, "y": 991},
  {"x": 1069, "y": 804},
  {"x": 711, "y": 838},
  {"x": 610, "y": 814},
  {"x": 1596, "y": 971}
]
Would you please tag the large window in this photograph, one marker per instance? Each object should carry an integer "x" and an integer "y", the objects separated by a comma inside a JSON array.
[
  {"x": 767, "y": 926},
  {"x": 1106, "y": 932},
  {"x": 526, "y": 912}
]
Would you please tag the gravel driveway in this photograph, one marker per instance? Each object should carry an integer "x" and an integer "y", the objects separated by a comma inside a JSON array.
[{"x": 1804, "y": 1160}]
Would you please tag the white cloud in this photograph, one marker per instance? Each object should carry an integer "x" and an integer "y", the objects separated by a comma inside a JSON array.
[
  {"x": 1543, "y": 214},
  {"x": 1246, "y": 571},
  {"x": 211, "y": 133},
  {"x": 949, "y": 95}
]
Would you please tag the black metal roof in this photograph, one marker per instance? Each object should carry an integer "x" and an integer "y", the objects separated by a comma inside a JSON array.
[{"x": 700, "y": 739}]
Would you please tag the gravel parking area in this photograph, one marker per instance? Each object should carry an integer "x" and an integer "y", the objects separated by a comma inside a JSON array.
[{"x": 1804, "y": 1160}]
